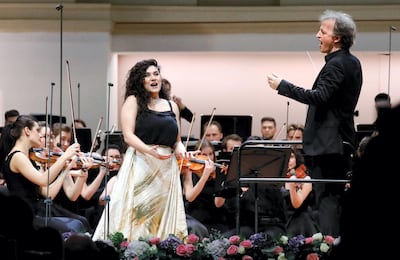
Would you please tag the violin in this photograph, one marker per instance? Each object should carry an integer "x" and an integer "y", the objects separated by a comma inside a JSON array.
[
  {"x": 197, "y": 165},
  {"x": 96, "y": 163},
  {"x": 300, "y": 172},
  {"x": 40, "y": 155}
]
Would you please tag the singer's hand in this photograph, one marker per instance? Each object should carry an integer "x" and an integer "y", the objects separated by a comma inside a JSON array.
[{"x": 273, "y": 80}]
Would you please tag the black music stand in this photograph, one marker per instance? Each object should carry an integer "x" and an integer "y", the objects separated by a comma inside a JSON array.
[
  {"x": 84, "y": 138},
  {"x": 116, "y": 137},
  {"x": 255, "y": 161},
  {"x": 231, "y": 124},
  {"x": 49, "y": 118}
]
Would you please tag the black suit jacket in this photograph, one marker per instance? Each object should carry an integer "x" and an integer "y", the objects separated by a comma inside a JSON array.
[{"x": 332, "y": 101}]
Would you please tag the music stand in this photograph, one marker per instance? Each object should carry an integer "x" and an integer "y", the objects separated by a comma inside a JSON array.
[
  {"x": 231, "y": 124},
  {"x": 84, "y": 137},
  {"x": 252, "y": 160},
  {"x": 116, "y": 137}
]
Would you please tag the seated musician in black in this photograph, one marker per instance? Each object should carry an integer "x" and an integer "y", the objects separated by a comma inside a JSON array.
[
  {"x": 271, "y": 211},
  {"x": 25, "y": 180},
  {"x": 202, "y": 207},
  {"x": 271, "y": 207},
  {"x": 300, "y": 199}
]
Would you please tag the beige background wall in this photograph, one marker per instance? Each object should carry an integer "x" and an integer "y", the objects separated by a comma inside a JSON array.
[
  {"x": 215, "y": 57},
  {"x": 235, "y": 82}
]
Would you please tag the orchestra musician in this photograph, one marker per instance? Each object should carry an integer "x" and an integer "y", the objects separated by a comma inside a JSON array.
[
  {"x": 268, "y": 128},
  {"x": 34, "y": 185},
  {"x": 184, "y": 111},
  {"x": 201, "y": 204},
  {"x": 65, "y": 192},
  {"x": 213, "y": 132},
  {"x": 90, "y": 203},
  {"x": 231, "y": 141},
  {"x": 300, "y": 198}
]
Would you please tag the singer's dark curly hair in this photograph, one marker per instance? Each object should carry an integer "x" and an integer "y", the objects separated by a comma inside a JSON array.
[{"x": 134, "y": 83}]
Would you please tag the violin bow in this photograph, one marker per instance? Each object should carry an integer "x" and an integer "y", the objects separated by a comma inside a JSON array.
[
  {"x": 94, "y": 137},
  {"x": 205, "y": 131},
  {"x": 280, "y": 131},
  {"x": 187, "y": 138},
  {"x": 46, "y": 125},
  {"x": 71, "y": 102}
]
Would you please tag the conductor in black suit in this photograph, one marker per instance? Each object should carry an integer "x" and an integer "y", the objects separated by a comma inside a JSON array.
[{"x": 330, "y": 116}]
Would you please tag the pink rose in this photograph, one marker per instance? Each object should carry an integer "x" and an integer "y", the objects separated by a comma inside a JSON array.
[
  {"x": 309, "y": 240},
  {"x": 246, "y": 243},
  {"x": 154, "y": 241},
  {"x": 312, "y": 256},
  {"x": 192, "y": 239},
  {"x": 234, "y": 240},
  {"x": 124, "y": 244},
  {"x": 190, "y": 248},
  {"x": 247, "y": 257},
  {"x": 181, "y": 250},
  {"x": 232, "y": 250},
  {"x": 278, "y": 250},
  {"x": 329, "y": 239}
]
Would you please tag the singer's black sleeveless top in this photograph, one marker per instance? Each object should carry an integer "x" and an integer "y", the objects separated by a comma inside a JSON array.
[{"x": 160, "y": 128}]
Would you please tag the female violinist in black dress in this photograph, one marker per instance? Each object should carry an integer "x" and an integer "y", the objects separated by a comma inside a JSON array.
[{"x": 299, "y": 198}]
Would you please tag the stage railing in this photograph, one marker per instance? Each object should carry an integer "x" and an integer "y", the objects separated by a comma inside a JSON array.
[{"x": 247, "y": 180}]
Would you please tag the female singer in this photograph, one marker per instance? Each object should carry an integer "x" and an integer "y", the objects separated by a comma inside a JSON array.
[{"x": 147, "y": 197}]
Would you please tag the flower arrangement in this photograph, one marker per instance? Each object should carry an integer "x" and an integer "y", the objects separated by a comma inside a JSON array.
[{"x": 217, "y": 247}]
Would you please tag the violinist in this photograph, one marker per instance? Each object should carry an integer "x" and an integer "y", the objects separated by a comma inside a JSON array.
[
  {"x": 199, "y": 190},
  {"x": 230, "y": 142},
  {"x": 66, "y": 188},
  {"x": 46, "y": 148},
  {"x": 295, "y": 132},
  {"x": 62, "y": 136},
  {"x": 299, "y": 197},
  {"x": 93, "y": 193},
  {"x": 271, "y": 209},
  {"x": 25, "y": 180},
  {"x": 70, "y": 186}
]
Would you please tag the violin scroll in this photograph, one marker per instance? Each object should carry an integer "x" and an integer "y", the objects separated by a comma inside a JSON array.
[{"x": 300, "y": 172}]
